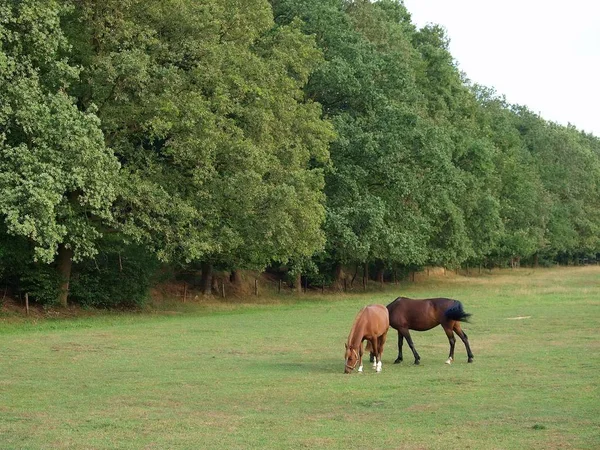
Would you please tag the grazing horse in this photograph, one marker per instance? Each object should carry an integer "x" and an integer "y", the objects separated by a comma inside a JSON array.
[
  {"x": 371, "y": 324},
  {"x": 421, "y": 315}
]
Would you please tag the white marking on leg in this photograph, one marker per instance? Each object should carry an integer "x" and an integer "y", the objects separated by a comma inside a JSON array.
[
  {"x": 379, "y": 366},
  {"x": 360, "y": 368},
  {"x": 449, "y": 360},
  {"x": 374, "y": 362}
]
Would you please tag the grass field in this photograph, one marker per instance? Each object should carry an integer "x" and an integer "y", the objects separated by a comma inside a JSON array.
[{"x": 229, "y": 376}]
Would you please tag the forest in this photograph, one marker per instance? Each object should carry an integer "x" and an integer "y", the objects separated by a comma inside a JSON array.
[{"x": 142, "y": 140}]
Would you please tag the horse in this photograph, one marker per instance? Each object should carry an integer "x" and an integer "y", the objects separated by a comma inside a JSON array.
[
  {"x": 371, "y": 324},
  {"x": 422, "y": 315}
]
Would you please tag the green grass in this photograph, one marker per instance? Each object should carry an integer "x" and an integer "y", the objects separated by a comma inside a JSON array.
[{"x": 271, "y": 375}]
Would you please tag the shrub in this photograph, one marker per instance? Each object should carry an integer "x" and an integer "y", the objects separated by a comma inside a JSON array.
[{"x": 117, "y": 277}]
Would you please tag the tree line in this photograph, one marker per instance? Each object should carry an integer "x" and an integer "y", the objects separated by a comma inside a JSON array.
[{"x": 142, "y": 138}]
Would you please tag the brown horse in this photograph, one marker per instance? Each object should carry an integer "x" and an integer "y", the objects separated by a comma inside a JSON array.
[
  {"x": 422, "y": 315},
  {"x": 371, "y": 324}
]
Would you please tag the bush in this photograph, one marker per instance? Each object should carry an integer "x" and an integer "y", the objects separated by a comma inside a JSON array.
[
  {"x": 117, "y": 277},
  {"x": 42, "y": 283},
  {"x": 19, "y": 274}
]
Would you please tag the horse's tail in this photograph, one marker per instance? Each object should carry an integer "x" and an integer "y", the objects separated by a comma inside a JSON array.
[{"x": 456, "y": 312}]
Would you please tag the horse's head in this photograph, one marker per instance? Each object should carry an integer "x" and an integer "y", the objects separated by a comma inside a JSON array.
[{"x": 351, "y": 358}]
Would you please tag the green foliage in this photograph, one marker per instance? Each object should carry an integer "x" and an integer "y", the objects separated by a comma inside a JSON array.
[
  {"x": 106, "y": 281},
  {"x": 570, "y": 172},
  {"x": 392, "y": 193},
  {"x": 41, "y": 283},
  {"x": 56, "y": 175},
  {"x": 21, "y": 275},
  {"x": 222, "y": 155}
]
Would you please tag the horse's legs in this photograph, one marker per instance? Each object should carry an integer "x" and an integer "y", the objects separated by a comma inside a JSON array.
[
  {"x": 406, "y": 335},
  {"x": 371, "y": 352},
  {"x": 375, "y": 346},
  {"x": 463, "y": 336},
  {"x": 400, "y": 342},
  {"x": 382, "y": 340},
  {"x": 452, "y": 341},
  {"x": 360, "y": 355},
  {"x": 380, "y": 345}
]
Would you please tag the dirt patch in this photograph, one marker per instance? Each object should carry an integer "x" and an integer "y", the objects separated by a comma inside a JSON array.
[
  {"x": 318, "y": 442},
  {"x": 81, "y": 348},
  {"x": 423, "y": 407}
]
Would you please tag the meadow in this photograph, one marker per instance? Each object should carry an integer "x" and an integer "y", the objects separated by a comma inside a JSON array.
[{"x": 242, "y": 375}]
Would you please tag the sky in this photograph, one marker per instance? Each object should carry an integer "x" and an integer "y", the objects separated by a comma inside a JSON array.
[{"x": 542, "y": 54}]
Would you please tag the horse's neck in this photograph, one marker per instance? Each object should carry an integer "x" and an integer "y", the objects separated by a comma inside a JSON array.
[{"x": 356, "y": 335}]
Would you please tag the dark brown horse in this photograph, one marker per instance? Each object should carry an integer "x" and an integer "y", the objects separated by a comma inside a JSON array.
[
  {"x": 371, "y": 324},
  {"x": 421, "y": 315}
]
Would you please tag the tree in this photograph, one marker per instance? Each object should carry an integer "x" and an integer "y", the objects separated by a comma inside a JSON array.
[
  {"x": 570, "y": 172},
  {"x": 524, "y": 202},
  {"x": 360, "y": 85},
  {"x": 57, "y": 177},
  {"x": 202, "y": 102}
]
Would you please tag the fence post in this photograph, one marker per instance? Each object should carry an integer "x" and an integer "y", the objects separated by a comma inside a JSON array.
[{"x": 27, "y": 303}]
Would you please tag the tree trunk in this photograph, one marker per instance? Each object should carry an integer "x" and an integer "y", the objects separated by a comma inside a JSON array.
[
  {"x": 206, "y": 281},
  {"x": 339, "y": 282},
  {"x": 354, "y": 277},
  {"x": 236, "y": 278},
  {"x": 215, "y": 284},
  {"x": 298, "y": 283},
  {"x": 64, "y": 264},
  {"x": 380, "y": 274}
]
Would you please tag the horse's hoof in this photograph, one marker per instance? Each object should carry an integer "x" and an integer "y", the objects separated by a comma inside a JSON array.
[
  {"x": 470, "y": 360},
  {"x": 398, "y": 361},
  {"x": 449, "y": 361},
  {"x": 417, "y": 362}
]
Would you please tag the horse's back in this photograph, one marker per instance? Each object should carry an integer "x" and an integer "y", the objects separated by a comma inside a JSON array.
[
  {"x": 417, "y": 314},
  {"x": 377, "y": 317},
  {"x": 407, "y": 308}
]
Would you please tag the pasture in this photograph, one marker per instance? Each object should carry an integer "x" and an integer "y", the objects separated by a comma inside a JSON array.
[{"x": 270, "y": 375}]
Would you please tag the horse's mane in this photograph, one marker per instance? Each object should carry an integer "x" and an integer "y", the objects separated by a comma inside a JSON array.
[
  {"x": 394, "y": 301},
  {"x": 356, "y": 319}
]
